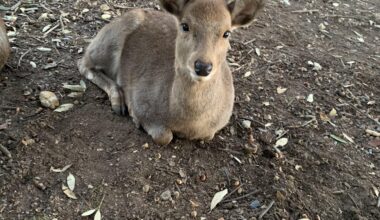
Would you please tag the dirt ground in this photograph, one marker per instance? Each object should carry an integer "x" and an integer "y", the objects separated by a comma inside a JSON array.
[{"x": 329, "y": 168}]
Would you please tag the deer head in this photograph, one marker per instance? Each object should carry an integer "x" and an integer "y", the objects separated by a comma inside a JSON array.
[{"x": 204, "y": 28}]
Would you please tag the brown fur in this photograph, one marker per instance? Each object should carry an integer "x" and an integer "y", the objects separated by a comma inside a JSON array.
[
  {"x": 143, "y": 60},
  {"x": 4, "y": 44}
]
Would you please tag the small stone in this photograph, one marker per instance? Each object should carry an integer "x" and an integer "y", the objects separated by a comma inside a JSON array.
[
  {"x": 203, "y": 177},
  {"x": 322, "y": 27},
  {"x": 376, "y": 17},
  {"x": 176, "y": 194},
  {"x": 49, "y": 99},
  {"x": 280, "y": 197},
  {"x": 106, "y": 16},
  {"x": 246, "y": 124},
  {"x": 247, "y": 74},
  {"x": 105, "y": 7},
  {"x": 255, "y": 204},
  {"x": 310, "y": 98},
  {"x": 146, "y": 188},
  {"x": 182, "y": 173},
  {"x": 194, "y": 214},
  {"x": 145, "y": 146},
  {"x": 166, "y": 195},
  {"x": 171, "y": 163},
  {"x": 317, "y": 66}
]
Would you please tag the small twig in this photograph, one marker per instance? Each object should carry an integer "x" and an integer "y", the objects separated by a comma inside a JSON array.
[
  {"x": 122, "y": 6},
  {"x": 22, "y": 56},
  {"x": 327, "y": 35},
  {"x": 5, "y": 151},
  {"x": 243, "y": 196},
  {"x": 353, "y": 200},
  {"x": 266, "y": 210},
  {"x": 306, "y": 11},
  {"x": 165, "y": 170},
  {"x": 340, "y": 16},
  {"x": 232, "y": 192},
  {"x": 282, "y": 135},
  {"x": 231, "y": 151},
  {"x": 365, "y": 114},
  {"x": 304, "y": 124},
  {"x": 50, "y": 30},
  {"x": 101, "y": 201},
  {"x": 15, "y": 6},
  {"x": 250, "y": 41},
  {"x": 46, "y": 8},
  {"x": 8, "y": 107}
]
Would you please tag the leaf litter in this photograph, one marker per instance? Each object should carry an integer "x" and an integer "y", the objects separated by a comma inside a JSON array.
[
  {"x": 71, "y": 181},
  {"x": 60, "y": 170},
  {"x": 218, "y": 197}
]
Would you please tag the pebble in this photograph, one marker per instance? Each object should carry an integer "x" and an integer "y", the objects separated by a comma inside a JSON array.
[
  {"x": 246, "y": 124},
  {"x": 146, "y": 188},
  {"x": 49, "y": 99},
  {"x": 255, "y": 204},
  {"x": 166, "y": 195}
]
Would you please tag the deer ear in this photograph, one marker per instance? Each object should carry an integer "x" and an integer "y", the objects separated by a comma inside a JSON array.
[
  {"x": 174, "y": 7},
  {"x": 244, "y": 11}
]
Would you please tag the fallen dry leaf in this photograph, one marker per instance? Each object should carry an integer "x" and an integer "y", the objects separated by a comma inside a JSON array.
[
  {"x": 281, "y": 90},
  {"x": 333, "y": 113},
  {"x": 373, "y": 133},
  {"x": 64, "y": 107},
  {"x": 89, "y": 212},
  {"x": 218, "y": 197},
  {"x": 71, "y": 181},
  {"x": 375, "y": 190},
  {"x": 60, "y": 170},
  {"x": 338, "y": 139},
  {"x": 348, "y": 138},
  {"x": 98, "y": 216},
  {"x": 281, "y": 142},
  {"x": 76, "y": 88},
  {"x": 68, "y": 192},
  {"x": 324, "y": 117}
]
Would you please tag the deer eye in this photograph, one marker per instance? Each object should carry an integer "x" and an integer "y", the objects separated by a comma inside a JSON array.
[
  {"x": 185, "y": 27},
  {"x": 227, "y": 34}
]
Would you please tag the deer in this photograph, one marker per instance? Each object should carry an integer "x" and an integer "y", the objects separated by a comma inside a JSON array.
[
  {"x": 168, "y": 70},
  {"x": 4, "y": 44}
]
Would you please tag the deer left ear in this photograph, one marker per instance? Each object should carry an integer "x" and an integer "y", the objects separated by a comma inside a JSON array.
[
  {"x": 174, "y": 7},
  {"x": 244, "y": 11}
]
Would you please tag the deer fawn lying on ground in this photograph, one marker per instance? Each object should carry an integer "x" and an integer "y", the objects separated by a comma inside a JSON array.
[
  {"x": 170, "y": 71},
  {"x": 4, "y": 44}
]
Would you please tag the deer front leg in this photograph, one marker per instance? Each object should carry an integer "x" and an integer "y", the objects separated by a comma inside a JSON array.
[
  {"x": 160, "y": 134},
  {"x": 115, "y": 94}
]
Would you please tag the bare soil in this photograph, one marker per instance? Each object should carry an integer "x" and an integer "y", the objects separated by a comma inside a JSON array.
[{"x": 315, "y": 176}]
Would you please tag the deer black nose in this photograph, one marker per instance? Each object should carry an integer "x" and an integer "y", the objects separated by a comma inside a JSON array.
[{"x": 202, "y": 69}]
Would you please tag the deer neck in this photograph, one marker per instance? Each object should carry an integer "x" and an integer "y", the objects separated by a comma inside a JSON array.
[{"x": 191, "y": 97}]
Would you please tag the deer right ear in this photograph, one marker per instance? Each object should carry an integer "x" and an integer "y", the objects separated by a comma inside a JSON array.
[
  {"x": 244, "y": 11},
  {"x": 174, "y": 7}
]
